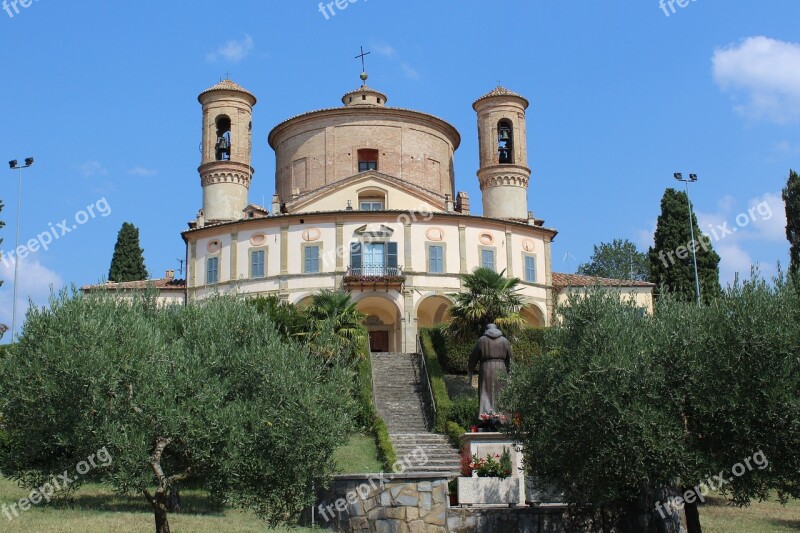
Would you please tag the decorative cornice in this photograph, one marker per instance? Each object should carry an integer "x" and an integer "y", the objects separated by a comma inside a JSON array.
[
  {"x": 213, "y": 177},
  {"x": 503, "y": 180},
  {"x": 225, "y": 172}
]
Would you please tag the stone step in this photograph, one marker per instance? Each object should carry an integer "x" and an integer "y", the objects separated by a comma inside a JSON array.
[{"x": 400, "y": 397}]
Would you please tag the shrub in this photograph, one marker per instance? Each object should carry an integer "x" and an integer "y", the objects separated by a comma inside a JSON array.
[
  {"x": 367, "y": 417},
  {"x": 454, "y": 432},
  {"x": 384, "y": 442},
  {"x": 440, "y": 396},
  {"x": 465, "y": 411}
]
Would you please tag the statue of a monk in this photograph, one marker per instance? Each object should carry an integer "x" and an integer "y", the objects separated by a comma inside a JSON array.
[{"x": 493, "y": 352}]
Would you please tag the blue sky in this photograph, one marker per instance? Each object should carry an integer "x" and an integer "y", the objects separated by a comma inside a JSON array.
[{"x": 103, "y": 94}]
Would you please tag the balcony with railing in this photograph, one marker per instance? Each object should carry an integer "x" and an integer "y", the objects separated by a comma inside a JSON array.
[{"x": 372, "y": 277}]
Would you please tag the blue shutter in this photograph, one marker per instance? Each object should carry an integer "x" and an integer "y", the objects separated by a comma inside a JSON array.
[
  {"x": 312, "y": 259},
  {"x": 212, "y": 270},
  {"x": 355, "y": 258},
  {"x": 391, "y": 255},
  {"x": 257, "y": 264},
  {"x": 436, "y": 265},
  {"x": 530, "y": 269}
]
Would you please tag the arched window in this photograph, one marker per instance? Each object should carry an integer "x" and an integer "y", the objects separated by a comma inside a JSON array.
[
  {"x": 372, "y": 200},
  {"x": 222, "y": 147},
  {"x": 505, "y": 142}
]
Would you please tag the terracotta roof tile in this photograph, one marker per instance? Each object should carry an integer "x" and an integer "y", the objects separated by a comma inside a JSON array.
[
  {"x": 163, "y": 284},
  {"x": 561, "y": 281},
  {"x": 227, "y": 85},
  {"x": 501, "y": 91}
]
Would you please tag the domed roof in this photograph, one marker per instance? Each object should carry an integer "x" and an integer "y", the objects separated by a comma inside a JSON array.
[
  {"x": 501, "y": 91},
  {"x": 227, "y": 85},
  {"x": 364, "y": 96}
]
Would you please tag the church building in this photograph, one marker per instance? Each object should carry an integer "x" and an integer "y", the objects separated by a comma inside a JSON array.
[{"x": 366, "y": 200}]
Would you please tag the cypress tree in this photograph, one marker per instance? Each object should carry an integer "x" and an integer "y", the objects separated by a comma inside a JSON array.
[
  {"x": 791, "y": 197},
  {"x": 671, "y": 265},
  {"x": 128, "y": 261}
]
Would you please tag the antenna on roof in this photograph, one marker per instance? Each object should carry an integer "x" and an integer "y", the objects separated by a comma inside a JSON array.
[
  {"x": 567, "y": 257},
  {"x": 180, "y": 270}
]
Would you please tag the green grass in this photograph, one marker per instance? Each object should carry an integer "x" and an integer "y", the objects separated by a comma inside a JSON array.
[
  {"x": 760, "y": 517},
  {"x": 358, "y": 456},
  {"x": 97, "y": 509}
]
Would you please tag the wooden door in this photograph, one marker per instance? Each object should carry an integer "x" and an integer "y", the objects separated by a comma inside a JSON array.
[{"x": 379, "y": 341}]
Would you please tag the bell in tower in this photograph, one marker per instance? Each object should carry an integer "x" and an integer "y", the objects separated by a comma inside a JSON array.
[
  {"x": 225, "y": 171},
  {"x": 504, "y": 143}
]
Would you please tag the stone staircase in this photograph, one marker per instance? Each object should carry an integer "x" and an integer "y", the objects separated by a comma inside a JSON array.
[{"x": 400, "y": 392}]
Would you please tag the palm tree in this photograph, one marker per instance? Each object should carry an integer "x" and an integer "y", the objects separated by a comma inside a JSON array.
[
  {"x": 337, "y": 309},
  {"x": 488, "y": 298}
]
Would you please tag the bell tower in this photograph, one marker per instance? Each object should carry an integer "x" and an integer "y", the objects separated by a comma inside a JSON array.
[
  {"x": 502, "y": 138},
  {"x": 225, "y": 171}
]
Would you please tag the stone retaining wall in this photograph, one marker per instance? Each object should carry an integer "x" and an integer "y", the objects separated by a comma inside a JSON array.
[
  {"x": 385, "y": 503},
  {"x": 418, "y": 503}
]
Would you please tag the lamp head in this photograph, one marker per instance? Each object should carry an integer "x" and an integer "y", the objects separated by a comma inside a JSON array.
[
  {"x": 693, "y": 177},
  {"x": 678, "y": 176},
  {"x": 28, "y": 161},
  {"x": 13, "y": 164}
]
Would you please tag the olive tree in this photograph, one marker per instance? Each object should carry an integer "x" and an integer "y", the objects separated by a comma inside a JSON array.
[
  {"x": 208, "y": 392},
  {"x": 624, "y": 412}
]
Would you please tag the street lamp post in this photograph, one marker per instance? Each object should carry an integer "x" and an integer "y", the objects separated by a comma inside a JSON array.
[
  {"x": 692, "y": 179},
  {"x": 14, "y": 166}
]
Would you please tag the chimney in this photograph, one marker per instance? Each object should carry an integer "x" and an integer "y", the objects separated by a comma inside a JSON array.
[{"x": 170, "y": 275}]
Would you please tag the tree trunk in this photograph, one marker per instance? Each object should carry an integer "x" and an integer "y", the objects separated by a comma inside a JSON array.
[
  {"x": 653, "y": 513},
  {"x": 692, "y": 518},
  {"x": 174, "y": 498},
  {"x": 160, "y": 509}
]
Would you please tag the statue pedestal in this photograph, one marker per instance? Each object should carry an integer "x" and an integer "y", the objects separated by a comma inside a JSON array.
[{"x": 487, "y": 490}]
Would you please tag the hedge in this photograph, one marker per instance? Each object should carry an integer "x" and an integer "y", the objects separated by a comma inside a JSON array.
[
  {"x": 453, "y": 355},
  {"x": 368, "y": 417},
  {"x": 454, "y": 433},
  {"x": 436, "y": 375},
  {"x": 465, "y": 410}
]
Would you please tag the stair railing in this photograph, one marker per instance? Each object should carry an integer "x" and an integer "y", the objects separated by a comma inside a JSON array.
[
  {"x": 371, "y": 373},
  {"x": 432, "y": 415}
]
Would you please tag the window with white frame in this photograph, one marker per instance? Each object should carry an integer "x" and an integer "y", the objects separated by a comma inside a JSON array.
[{"x": 487, "y": 258}]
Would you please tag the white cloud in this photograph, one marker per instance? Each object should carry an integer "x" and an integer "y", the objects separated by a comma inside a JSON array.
[
  {"x": 732, "y": 229},
  {"x": 410, "y": 72},
  {"x": 92, "y": 168},
  {"x": 232, "y": 51},
  {"x": 763, "y": 77},
  {"x": 384, "y": 50},
  {"x": 143, "y": 172},
  {"x": 34, "y": 284}
]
